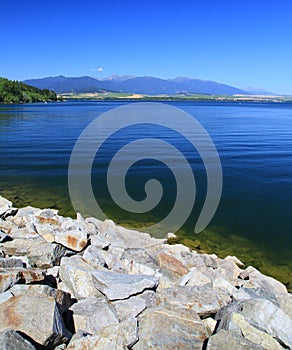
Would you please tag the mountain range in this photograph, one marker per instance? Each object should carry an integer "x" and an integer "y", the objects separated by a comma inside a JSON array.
[{"x": 131, "y": 84}]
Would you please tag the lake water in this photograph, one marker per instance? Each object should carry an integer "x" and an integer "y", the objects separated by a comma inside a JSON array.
[{"x": 254, "y": 141}]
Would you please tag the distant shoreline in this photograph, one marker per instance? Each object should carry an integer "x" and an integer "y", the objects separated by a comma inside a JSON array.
[{"x": 175, "y": 98}]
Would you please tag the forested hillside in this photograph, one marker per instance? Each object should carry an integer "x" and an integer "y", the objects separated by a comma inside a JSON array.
[{"x": 17, "y": 92}]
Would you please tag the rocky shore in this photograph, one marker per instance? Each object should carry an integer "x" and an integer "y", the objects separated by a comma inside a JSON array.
[{"x": 87, "y": 284}]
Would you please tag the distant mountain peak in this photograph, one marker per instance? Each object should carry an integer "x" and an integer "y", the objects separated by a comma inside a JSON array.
[
  {"x": 117, "y": 77},
  {"x": 146, "y": 85}
]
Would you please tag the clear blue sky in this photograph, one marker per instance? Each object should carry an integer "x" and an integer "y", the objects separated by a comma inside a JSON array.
[{"x": 241, "y": 43}]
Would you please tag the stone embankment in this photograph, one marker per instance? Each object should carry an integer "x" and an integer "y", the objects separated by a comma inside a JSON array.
[{"x": 86, "y": 284}]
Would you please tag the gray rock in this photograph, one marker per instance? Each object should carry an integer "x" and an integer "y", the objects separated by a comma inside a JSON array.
[
  {"x": 125, "y": 238},
  {"x": 11, "y": 340},
  {"x": 38, "y": 316},
  {"x": 5, "y": 296},
  {"x": 255, "y": 293},
  {"x": 125, "y": 333},
  {"x": 10, "y": 262},
  {"x": 121, "y": 286},
  {"x": 99, "y": 241},
  {"x": 76, "y": 275},
  {"x": 92, "y": 256},
  {"x": 230, "y": 341},
  {"x": 92, "y": 314},
  {"x": 119, "y": 336},
  {"x": 5, "y": 205},
  {"x": 285, "y": 303},
  {"x": 130, "y": 308},
  {"x": 40, "y": 253},
  {"x": 137, "y": 261},
  {"x": 61, "y": 298},
  {"x": 8, "y": 279},
  {"x": 96, "y": 342},
  {"x": 237, "y": 323},
  {"x": 252, "y": 278},
  {"x": 112, "y": 257},
  {"x": 263, "y": 315},
  {"x": 170, "y": 327},
  {"x": 204, "y": 300},
  {"x": 150, "y": 298},
  {"x": 195, "y": 278}
]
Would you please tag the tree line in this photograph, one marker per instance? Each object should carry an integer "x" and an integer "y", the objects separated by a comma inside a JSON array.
[{"x": 17, "y": 92}]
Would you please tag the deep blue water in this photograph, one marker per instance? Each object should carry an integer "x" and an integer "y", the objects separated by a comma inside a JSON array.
[{"x": 254, "y": 142}]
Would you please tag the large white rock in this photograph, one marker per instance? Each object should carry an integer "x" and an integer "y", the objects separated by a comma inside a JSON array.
[
  {"x": 5, "y": 205},
  {"x": 204, "y": 300},
  {"x": 130, "y": 308},
  {"x": 92, "y": 314},
  {"x": 237, "y": 323},
  {"x": 263, "y": 315},
  {"x": 121, "y": 286},
  {"x": 252, "y": 278},
  {"x": 170, "y": 327},
  {"x": 120, "y": 336},
  {"x": 230, "y": 341},
  {"x": 75, "y": 273}
]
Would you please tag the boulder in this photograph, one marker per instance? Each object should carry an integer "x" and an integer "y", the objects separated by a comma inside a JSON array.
[
  {"x": 125, "y": 238},
  {"x": 38, "y": 316},
  {"x": 96, "y": 342},
  {"x": 285, "y": 303},
  {"x": 263, "y": 315},
  {"x": 73, "y": 239},
  {"x": 124, "y": 333},
  {"x": 255, "y": 293},
  {"x": 75, "y": 273},
  {"x": 238, "y": 324},
  {"x": 204, "y": 300},
  {"x": 121, "y": 286},
  {"x": 93, "y": 256},
  {"x": 5, "y": 205},
  {"x": 40, "y": 253},
  {"x": 8, "y": 279},
  {"x": 252, "y": 278},
  {"x": 137, "y": 261},
  {"x": 171, "y": 264},
  {"x": 170, "y": 327},
  {"x": 195, "y": 278},
  {"x": 11, "y": 340},
  {"x": 130, "y": 308},
  {"x": 230, "y": 341},
  {"x": 92, "y": 314}
]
